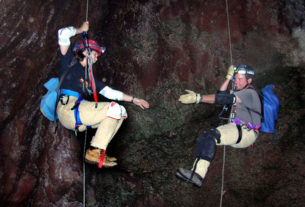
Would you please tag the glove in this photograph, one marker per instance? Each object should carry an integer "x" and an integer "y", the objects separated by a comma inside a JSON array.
[
  {"x": 64, "y": 35},
  {"x": 230, "y": 72},
  {"x": 190, "y": 97}
]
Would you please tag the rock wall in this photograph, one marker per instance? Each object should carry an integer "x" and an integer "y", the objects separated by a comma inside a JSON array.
[{"x": 155, "y": 50}]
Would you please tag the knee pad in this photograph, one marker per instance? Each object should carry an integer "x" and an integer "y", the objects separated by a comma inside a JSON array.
[
  {"x": 223, "y": 97},
  {"x": 116, "y": 111},
  {"x": 206, "y": 146}
]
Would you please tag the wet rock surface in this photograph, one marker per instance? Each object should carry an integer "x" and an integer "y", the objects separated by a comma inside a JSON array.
[{"x": 155, "y": 50}]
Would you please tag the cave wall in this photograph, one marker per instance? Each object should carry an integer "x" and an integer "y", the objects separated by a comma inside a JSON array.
[{"x": 155, "y": 50}]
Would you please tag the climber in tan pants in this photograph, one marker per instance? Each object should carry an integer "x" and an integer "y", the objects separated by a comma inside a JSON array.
[
  {"x": 241, "y": 132},
  {"x": 74, "y": 110}
]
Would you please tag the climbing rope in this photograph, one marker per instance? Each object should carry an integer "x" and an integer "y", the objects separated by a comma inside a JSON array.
[
  {"x": 88, "y": 68},
  {"x": 229, "y": 32},
  {"x": 224, "y": 147},
  {"x": 84, "y": 171},
  {"x": 84, "y": 152},
  {"x": 87, "y": 8}
]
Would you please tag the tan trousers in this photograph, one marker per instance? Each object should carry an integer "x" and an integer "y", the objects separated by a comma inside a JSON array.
[
  {"x": 90, "y": 115},
  {"x": 228, "y": 136}
]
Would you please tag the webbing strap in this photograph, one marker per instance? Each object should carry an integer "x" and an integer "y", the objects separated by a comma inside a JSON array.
[
  {"x": 239, "y": 134},
  {"x": 100, "y": 164},
  {"x": 78, "y": 122},
  {"x": 76, "y": 116},
  {"x": 193, "y": 171}
]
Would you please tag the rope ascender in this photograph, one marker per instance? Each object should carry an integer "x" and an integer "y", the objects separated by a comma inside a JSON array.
[{"x": 88, "y": 68}]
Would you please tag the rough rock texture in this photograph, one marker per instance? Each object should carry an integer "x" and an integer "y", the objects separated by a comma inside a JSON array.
[{"x": 155, "y": 50}]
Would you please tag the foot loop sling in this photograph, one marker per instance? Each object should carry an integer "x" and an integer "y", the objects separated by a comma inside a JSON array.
[
  {"x": 100, "y": 164},
  {"x": 193, "y": 171}
]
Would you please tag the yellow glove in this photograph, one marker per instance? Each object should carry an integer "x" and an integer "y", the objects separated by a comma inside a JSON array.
[
  {"x": 190, "y": 97},
  {"x": 230, "y": 72}
]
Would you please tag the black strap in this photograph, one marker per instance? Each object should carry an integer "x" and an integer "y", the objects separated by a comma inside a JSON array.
[
  {"x": 239, "y": 133},
  {"x": 193, "y": 171},
  {"x": 221, "y": 114},
  {"x": 62, "y": 102},
  {"x": 73, "y": 62}
]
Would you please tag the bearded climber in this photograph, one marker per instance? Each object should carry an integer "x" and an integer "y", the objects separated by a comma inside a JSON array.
[
  {"x": 240, "y": 132},
  {"x": 106, "y": 117}
]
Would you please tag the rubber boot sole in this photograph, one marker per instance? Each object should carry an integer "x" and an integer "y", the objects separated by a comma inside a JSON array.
[{"x": 185, "y": 175}]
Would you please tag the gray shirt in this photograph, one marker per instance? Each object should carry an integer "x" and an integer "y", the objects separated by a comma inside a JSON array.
[{"x": 250, "y": 108}]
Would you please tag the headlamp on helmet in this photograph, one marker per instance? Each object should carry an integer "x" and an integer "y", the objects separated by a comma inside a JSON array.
[{"x": 244, "y": 70}]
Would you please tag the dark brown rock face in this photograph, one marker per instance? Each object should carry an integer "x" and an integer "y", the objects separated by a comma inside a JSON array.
[{"x": 155, "y": 50}]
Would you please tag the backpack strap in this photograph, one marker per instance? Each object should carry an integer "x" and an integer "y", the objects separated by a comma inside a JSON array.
[
  {"x": 78, "y": 122},
  {"x": 73, "y": 62}
]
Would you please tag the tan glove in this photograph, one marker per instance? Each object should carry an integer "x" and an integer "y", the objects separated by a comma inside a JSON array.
[
  {"x": 190, "y": 97},
  {"x": 230, "y": 72}
]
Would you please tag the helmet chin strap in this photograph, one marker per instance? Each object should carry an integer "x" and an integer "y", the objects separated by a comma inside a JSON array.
[{"x": 248, "y": 85}]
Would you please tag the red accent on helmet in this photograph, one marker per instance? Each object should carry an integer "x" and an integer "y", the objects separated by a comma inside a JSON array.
[{"x": 92, "y": 45}]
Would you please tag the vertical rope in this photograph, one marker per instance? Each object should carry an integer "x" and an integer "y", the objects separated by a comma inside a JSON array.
[
  {"x": 84, "y": 171},
  {"x": 222, "y": 173},
  {"x": 224, "y": 147},
  {"x": 84, "y": 152},
  {"x": 87, "y": 8},
  {"x": 229, "y": 32}
]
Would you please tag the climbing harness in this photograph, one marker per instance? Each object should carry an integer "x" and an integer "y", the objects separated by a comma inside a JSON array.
[
  {"x": 68, "y": 93},
  {"x": 250, "y": 126},
  {"x": 78, "y": 122}
]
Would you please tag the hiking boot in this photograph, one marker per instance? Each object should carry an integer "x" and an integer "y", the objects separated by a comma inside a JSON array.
[
  {"x": 97, "y": 152},
  {"x": 111, "y": 159},
  {"x": 93, "y": 156},
  {"x": 185, "y": 175}
]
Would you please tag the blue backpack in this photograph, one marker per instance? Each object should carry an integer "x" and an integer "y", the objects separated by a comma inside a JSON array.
[
  {"x": 270, "y": 109},
  {"x": 48, "y": 101}
]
